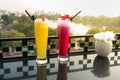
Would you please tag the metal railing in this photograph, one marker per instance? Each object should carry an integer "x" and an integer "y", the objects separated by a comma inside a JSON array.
[{"x": 11, "y": 48}]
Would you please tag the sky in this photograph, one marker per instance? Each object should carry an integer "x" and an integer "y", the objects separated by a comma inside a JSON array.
[{"x": 88, "y": 7}]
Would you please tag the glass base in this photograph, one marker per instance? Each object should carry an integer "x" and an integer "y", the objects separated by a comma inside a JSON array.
[
  {"x": 41, "y": 61},
  {"x": 63, "y": 59}
]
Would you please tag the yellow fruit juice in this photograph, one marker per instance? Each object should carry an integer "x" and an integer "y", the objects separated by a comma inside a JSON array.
[{"x": 41, "y": 37}]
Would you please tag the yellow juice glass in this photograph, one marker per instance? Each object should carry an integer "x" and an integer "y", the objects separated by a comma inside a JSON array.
[{"x": 41, "y": 37}]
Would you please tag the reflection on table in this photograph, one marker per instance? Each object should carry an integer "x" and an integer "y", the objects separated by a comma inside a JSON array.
[
  {"x": 78, "y": 67},
  {"x": 101, "y": 67},
  {"x": 41, "y": 72},
  {"x": 62, "y": 71}
]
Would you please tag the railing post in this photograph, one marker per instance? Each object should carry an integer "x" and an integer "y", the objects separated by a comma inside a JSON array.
[
  {"x": 48, "y": 49},
  {"x": 24, "y": 44},
  {"x": 1, "y": 55},
  {"x": 86, "y": 41}
]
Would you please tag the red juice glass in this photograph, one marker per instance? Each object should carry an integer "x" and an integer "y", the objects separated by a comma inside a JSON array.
[{"x": 63, "y": 39}]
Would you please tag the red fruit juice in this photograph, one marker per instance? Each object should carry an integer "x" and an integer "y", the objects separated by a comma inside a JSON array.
[{"x": 63, "y": 37}]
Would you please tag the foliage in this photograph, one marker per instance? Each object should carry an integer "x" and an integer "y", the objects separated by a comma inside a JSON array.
[
  {"x": 24, "y": 24},
  {"x": 12, "y": 34},
  {"x": 48, "y": 15},
  {"x": 7, "y": 19},
  {"x": 52, "y": 32},
  {"x": 97, "y": 30},
  {"x": 114, "y": 29},
  {"x": 53, "y": 16},
  {"x": 93, "y": 31},
  {"x": 99, "y": 21}
]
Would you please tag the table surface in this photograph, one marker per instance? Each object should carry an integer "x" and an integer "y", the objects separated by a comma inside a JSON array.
[{"x": 79, "y": 67}]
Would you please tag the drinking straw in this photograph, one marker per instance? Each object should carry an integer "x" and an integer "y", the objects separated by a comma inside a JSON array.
[
  {"x": 71, "y": 18},
  {"x": 32, "y": 17}
]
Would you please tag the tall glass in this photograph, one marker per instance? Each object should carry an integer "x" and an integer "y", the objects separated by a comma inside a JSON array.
[
  {"x": 41, "y": 37},
  {"x": 63, "y": 39}
]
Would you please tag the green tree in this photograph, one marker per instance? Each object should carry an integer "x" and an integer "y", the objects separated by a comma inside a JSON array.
[
  {"x": 12, "y": 34},
  {"x": 52, "y": 32},
  {"x": 24, "y": 25},
  {"x": 49, "y": 15},
  {"x": 93, "y": 31},
  {"x": 52, "y": 16},
  {"x": 7, "y": 19},
  {"x": 103, "y": 20},
  {"x": 113, "y": 29}
]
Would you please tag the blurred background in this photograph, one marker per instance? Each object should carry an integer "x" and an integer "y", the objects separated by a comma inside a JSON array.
[{"x": 96, "y": 16}]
